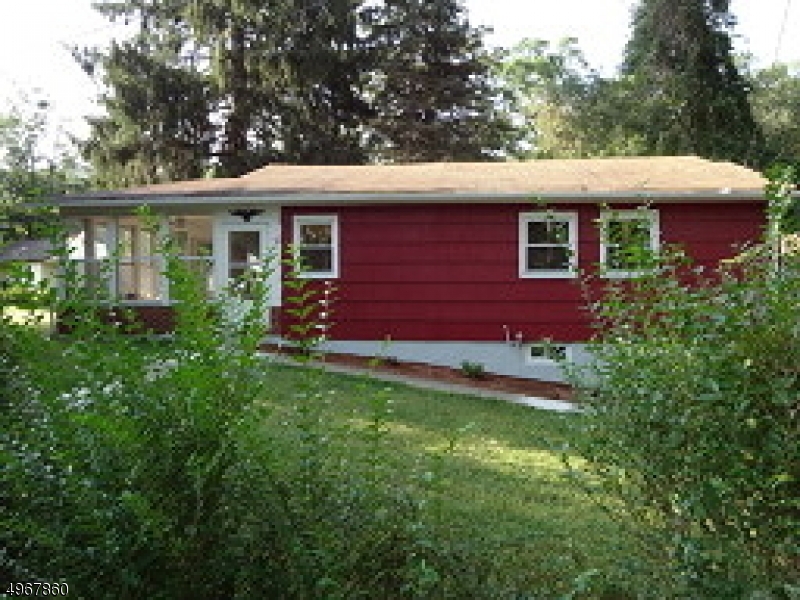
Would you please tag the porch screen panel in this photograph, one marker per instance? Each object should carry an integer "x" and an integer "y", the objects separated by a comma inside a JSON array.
[
  {"x": 139, "y": 266},
  {"x": 192, "y": 239}
]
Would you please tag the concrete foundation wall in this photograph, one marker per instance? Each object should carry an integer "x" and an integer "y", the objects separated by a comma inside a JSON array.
[{"x": 500, "y": 358}]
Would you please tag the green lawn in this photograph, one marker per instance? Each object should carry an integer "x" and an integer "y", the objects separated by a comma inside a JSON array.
[
  {"x": 503, "y": 483},
  {"x": 501, "y": 486}
]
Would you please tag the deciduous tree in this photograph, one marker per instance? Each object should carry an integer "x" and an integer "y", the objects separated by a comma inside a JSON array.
[
  {"x": 563, "y": 107},
  {"x": 775, "y": 96},
  {"x": 33, "y": 165}
]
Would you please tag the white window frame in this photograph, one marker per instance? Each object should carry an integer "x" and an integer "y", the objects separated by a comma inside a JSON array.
[
  {"x": 135, "y": 260},
  {"x": 571, "y": 218},
  {"x": 109, "y": 264},
  {"x": 84, "y": 254},
  {"x": 548, "y": 358},
  {"x": 637, "y": 214},
  {"x": 333, "y": 221},
  {"x": 170, "y": 229}
]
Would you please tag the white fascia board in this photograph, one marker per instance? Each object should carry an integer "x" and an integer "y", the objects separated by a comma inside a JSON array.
[{"x": 176, "y": 203}]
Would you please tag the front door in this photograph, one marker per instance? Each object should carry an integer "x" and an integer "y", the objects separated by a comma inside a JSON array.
[{"x": 242, "y": 252}]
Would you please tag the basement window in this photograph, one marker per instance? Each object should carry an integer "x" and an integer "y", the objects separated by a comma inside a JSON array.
[{"x": 546, "y": 353}]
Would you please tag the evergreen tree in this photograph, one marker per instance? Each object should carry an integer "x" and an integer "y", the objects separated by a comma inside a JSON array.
[
  {"x": 432, "y": 91},
  {"x": 681, "y": 63},
  {"x": 236, "y": 84},
  {"x": 324, "y": 106},
  {"x": 158, "y": 126},
  {"x": 185, "y": 92}
]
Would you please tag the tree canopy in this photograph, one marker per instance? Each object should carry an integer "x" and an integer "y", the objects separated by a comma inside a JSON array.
[
  {"x": 563, "y": 107},
  {"x": 221, "y": 87},
  {"x": 225, "y": 86},
  {"x": 775, "y": 97},
  {"x": 33, "y": 165},
  {"x": 432, "y": 95},
  {"x": 680, "y": 52},
  {"x": 680, "y": 90}
]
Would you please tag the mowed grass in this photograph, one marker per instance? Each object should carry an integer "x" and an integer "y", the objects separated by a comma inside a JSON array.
[
  {"x": 501, "y": 482},
  {"x": 500, "y": 486}
]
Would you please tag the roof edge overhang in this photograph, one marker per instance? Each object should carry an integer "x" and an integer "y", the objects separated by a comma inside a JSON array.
[{"x": 118, "y": 201}]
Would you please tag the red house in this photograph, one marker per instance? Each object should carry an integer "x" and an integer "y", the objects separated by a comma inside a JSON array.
[{"x": 450, "y": 261}]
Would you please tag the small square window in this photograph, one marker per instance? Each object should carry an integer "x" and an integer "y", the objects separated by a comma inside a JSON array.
[
  {"x": 545, "y": 352},
  {"x": 316, "y": 241}
]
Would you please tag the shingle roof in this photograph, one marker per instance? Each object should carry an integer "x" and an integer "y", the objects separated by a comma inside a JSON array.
[
  {"x": 27, "y": 250},
  {"x": 684, "y": 174}
]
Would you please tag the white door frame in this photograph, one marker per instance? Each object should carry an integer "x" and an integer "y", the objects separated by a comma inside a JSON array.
[{"x": 269, "y": 225}]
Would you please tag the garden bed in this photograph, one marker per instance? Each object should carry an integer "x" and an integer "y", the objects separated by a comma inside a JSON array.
[{"x": 489, "y": 381}]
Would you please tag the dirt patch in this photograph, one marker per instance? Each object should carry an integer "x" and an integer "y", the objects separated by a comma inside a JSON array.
[{"x": 491, "y": 381}]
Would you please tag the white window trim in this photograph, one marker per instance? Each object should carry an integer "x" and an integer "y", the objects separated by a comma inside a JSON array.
[
  {"x": 543, "y": 216},
  {"x": 333, "y": 221},
  {"x": 156, "y": 260},
  {"x": 627, "y": 215},
  {"x": 113, "y": 261},
  {"x": 269, "y": 223},
  {"x": 546, "y": 360}
]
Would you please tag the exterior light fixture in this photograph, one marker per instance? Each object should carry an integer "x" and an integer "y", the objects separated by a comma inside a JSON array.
[{"x": 246, "y": 213}]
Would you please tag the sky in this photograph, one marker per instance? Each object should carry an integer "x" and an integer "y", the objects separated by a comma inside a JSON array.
[{"x": 35, "y": 36}]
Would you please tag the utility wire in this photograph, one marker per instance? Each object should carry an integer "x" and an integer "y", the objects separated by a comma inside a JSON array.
[{"x": 782, "y": 30}]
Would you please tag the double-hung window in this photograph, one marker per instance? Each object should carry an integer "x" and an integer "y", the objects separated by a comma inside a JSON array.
[
  {"x": 548, "y": 244},
  {"x": 629, "y": 241},
  {"x": 93, "y": 251},
  {"x": 316, "y": 241},
  {"x": 139, "y": 265},
  {"x": 191, "y": 237}
]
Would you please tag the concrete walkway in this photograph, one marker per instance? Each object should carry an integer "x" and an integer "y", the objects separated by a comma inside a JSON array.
[{"x": 439, "y": 386}]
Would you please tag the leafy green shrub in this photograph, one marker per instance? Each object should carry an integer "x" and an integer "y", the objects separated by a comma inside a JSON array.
[
  {"x": 308, "y": 307},
  {"x": 473, "y": 370},
  {"x": 137, "y": 469},
  {"x": 693, "y": 414}
]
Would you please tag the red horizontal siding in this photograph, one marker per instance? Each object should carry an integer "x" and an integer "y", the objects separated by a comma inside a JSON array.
[
  {"x": 711, "y": 232},
  {"x": 485, "y": 273},
  {"x": 534, "y": 292},
  {"x": 448, "y": 330},
  {"x": 464, "y": 311},
  {"x": 432, "y": 252},
  {"x": 450, "y": 272}
]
